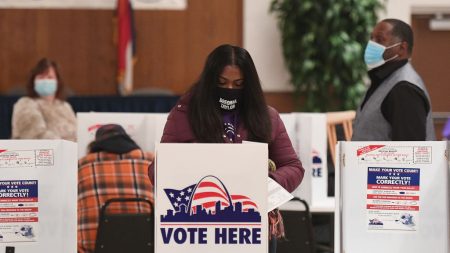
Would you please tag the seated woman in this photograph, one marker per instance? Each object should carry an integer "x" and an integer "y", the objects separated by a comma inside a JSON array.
[
  {"x": 43, "y": 114},
  {"x": 115, "y": 167}
]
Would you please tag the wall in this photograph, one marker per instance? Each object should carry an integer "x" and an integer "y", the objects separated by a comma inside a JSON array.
[
  {"x": 171, "y": 45},
  {"x": 431, "y": 58},
  {"x": 263, "y": 40},
  {"x": 404, "y": 9}
]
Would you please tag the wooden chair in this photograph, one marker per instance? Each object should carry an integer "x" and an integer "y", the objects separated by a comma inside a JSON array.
[{"x": 344, "y": 118}]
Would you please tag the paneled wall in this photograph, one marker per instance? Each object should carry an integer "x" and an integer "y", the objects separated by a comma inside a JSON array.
[
  {"x": 431, "y": 58},
  {"x": 171, "y": 45}
]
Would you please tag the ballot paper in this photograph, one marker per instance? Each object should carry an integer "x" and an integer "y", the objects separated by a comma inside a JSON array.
[{"x": 277, "y": 195}]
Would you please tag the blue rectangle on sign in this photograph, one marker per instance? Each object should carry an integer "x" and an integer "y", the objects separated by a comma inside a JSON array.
[
  {"x": 19, "y": 189},
  {"x": 393, "y": 176}
]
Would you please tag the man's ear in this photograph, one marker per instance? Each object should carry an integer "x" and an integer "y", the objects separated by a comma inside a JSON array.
[{"x": 404, "y": 49}]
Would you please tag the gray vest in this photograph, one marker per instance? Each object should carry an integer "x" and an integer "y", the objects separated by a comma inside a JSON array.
[{"x": 370, "y": 124}]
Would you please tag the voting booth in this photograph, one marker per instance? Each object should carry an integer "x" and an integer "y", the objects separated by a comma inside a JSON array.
[
  {"x": 308, "y": 134},
  {"x": 144, "y": 128},
  {"x": 38, "y": 196},
  {"x": 392, "y": 197},
  {"x": 311, "y": 138},
  {"x": 211, "y": 198}
]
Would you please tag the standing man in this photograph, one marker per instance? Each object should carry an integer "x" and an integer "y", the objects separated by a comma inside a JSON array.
[{"x": 396, "y": 106}]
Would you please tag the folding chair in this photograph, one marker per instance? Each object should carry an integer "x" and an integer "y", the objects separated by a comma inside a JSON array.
[
  {"x": 130, "y": 232},
  {"x": 298, "y": 230}
]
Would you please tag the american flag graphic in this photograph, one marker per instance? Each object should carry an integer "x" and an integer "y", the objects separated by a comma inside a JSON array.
[
  {"x": 206, "y": 193},
  {"x": 180, "y": 198}
]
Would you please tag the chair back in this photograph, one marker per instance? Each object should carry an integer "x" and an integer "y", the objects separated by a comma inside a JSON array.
[
  {"x": 298, "y": 230},
  {"x": 129, "y": 232},
  {"x": 344, "y": 118}
]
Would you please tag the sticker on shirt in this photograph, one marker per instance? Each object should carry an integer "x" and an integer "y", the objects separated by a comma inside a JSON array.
[
  {"x": 26, "y": 158},
  {"x": 383, "y": 154},
  {"x": 393, "y": 198},
  {"x": 19, "y": 216}
]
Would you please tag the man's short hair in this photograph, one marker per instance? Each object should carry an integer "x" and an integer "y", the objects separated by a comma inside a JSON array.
[{"x": 402, "y": 31}]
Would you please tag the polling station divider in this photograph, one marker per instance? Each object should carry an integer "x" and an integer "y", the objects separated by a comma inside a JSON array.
[
  {"x": 38, "y": 196},
  {"x": 307, "y": 132},
  {"x": 144, "y": 128},
  {"x": 211, "y": 198},
  {"x": 392, "y": 197}
]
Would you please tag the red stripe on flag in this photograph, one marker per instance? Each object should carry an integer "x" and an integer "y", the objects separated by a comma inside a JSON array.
[
  {"x": 202, "y": 195},
  {"x": 249, "y": 203},
  {"x": 246, "y": 202},
  {"x": 211, "y": 184},
  {"x": 238, "y": 197}
]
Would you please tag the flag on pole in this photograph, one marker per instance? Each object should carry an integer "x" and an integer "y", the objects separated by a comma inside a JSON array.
[{"x": 126, "y": 46}]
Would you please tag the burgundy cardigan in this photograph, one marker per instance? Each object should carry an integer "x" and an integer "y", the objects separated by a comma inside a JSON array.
[{"x": 289, "y": 171}]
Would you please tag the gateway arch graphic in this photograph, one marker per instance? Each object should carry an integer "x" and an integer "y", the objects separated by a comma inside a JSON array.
[{"x": 209, "y": 201}]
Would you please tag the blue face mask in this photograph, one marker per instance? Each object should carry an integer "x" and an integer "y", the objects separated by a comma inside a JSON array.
[
  {"x": 373, "y": 56},
  {"x": 45, "y": 87}
]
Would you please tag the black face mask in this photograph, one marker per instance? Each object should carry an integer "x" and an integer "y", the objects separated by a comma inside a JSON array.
[{"x": 229, "y": 99}]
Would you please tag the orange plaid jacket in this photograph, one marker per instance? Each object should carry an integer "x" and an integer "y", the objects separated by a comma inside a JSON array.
[{"x": 102, "y": 176}]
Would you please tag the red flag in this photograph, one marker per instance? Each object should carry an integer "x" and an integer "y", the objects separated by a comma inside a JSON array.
[{"x": 125, "y": 45}]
